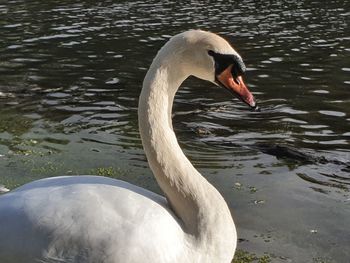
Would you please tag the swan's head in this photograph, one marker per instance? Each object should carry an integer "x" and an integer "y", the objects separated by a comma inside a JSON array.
[{"x": 210, "y": 57}]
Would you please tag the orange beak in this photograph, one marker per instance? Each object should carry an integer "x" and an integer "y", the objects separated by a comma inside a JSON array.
[{"x": 236, "y": 86}]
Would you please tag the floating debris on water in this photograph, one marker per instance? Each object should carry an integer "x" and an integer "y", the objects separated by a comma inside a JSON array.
[
  {"x": 202, "y": 131},
  {"x": 259, "y": 202},
  {"x": 252, "y": 189},
  {"x": 238, "y": 185}
]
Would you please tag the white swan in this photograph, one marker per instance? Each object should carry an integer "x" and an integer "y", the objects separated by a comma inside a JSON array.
[{"x": 95, "y": 219}]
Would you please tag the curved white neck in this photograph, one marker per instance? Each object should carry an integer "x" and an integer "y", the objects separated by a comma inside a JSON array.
[{"x": 197, "y": 203}]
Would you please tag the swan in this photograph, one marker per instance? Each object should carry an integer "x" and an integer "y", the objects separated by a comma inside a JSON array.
[{"x": 94, "y": 219}]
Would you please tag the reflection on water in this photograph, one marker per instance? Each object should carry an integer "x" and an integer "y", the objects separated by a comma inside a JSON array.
[{"x": 71, "y": 74}]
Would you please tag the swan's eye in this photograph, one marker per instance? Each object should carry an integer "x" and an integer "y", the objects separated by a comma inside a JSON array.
[
  {"x": 211, "y": 53},
  {"x": 223, "y": 61}
]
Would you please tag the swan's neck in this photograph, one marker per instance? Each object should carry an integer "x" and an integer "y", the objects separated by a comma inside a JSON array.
[{"x": 198, "y": 205}]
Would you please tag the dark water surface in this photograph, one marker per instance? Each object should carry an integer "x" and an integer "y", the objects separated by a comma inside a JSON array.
[{"x": 70, "y": 77}]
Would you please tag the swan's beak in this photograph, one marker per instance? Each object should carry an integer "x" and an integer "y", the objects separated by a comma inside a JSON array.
[{"x": 236, "y": 86}]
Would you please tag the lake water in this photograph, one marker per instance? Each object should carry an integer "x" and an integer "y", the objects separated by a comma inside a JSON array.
[{"x": 71, "y": 73}]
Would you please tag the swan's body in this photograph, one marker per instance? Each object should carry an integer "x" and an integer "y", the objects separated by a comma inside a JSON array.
[
  {"x": 87, "y": 219},
  {"x": 95, "y": 219}
]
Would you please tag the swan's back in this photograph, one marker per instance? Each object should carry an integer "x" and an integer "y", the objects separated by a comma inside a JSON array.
[{"x": 87, "y": 219}]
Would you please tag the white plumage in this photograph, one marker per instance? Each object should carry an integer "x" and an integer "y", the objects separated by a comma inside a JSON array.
[{"x": 86, "y": 219}]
